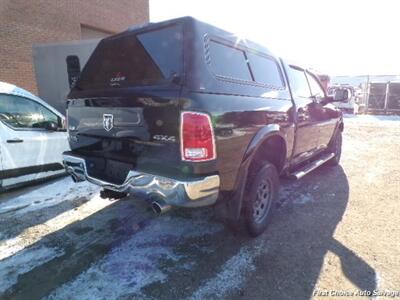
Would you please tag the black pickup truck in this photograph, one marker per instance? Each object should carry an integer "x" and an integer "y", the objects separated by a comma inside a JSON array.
[{"x": 186, "y": 114}]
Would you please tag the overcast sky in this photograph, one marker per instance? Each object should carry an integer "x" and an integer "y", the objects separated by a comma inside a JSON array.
[{"x": 337, "y": 37}]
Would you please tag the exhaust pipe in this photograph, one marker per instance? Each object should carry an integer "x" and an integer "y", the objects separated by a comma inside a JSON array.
[{"x": 160, "y": 207}]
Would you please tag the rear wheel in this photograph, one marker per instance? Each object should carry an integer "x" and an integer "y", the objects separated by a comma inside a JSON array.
[
  {"x": 261, "y": 199},
  {"x": 335, "y": 147}
]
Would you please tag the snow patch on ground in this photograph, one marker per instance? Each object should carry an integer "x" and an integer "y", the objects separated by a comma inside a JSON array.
[
  {"x": 10, "y": 247},
  {"x": 378, "y": 284},
  {"x": 35, "y": 233},
  {"x": 49, "y": 195},
  {"x": 23, "y": 262},
  {"x": 381, "y": 119},
  {"x": 135, "y": 263},
  {"x": 232, "y": 276}
]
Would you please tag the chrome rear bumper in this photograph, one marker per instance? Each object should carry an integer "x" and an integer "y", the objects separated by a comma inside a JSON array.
[{"x": 193, "y": 193}]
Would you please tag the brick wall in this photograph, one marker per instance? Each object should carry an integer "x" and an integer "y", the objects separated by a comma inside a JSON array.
[{"x": 25, "y": 22}]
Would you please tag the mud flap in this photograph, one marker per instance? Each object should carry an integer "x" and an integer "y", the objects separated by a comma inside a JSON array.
[{"x": 229, "y": 210}]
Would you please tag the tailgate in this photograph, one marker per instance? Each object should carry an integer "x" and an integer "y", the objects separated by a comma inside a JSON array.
[
  {"x": 108, "y": 121},
  {"x": 140, "y": 130}
]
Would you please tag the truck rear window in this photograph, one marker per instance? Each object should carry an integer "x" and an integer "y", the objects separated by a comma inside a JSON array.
[{"x": 134, "y": 59}]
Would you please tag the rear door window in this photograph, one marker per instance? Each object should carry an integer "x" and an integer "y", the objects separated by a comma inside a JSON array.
[
  {"x": 145, "y": 58},
  {"x": 265, "y": 70},
  {"x": 228, "y": 61}
]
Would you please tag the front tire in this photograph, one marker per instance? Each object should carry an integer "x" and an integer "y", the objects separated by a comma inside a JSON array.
[{"x": 261, "y": 199}]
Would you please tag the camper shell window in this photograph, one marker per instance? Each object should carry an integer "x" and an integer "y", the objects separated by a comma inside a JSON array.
[
  {"x": 228, "y": 61},
  {"x": 265, "y": 70},
  {"x": 143, "y": 58},
  {"x": 237, "y": 63}
]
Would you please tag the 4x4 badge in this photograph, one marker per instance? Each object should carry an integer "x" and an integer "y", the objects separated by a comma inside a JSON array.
[{"x": 108, "y": 121}]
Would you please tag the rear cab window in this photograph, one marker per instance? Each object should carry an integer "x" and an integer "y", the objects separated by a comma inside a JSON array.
[{"x": 144, "y": 58}]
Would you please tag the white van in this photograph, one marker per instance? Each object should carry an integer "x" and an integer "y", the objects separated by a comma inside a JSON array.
[{"x": 32, "y": 137}]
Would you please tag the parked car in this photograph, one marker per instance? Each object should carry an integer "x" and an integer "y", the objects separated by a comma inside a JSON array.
[
  {"x": 348, "y": 106},
  {"x": 33, "y": 137},
  {"x": 188, "y": 115}
]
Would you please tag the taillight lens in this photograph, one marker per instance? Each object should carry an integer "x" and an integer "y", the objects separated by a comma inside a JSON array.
[{"x": 197, "y": 137}]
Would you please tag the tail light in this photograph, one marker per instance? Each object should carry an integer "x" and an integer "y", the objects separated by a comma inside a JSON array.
[{"x": 197, "y": 137}]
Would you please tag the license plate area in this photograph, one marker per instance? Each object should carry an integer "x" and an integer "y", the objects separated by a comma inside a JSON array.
[{"x": 108, "y": 170}]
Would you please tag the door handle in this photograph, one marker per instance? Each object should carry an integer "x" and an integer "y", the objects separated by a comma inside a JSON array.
[{"x": 13, "y": 141}]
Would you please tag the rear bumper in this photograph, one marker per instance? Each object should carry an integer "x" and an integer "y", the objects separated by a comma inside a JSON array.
[{"x": 192, "y": 193}]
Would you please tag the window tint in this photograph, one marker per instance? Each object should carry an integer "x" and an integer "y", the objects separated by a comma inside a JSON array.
[
  {"x": 135, "y": 59},
  {"x": 20, "y": 112},
  {"x": 298, "y": 83},
  {"x": 265, "y": 70},
  {"x": 316, "y": 89},
  {"x": 228, "y": 61},
  {"x": 47, "y": 115},
  {"x": 165, "y": 48}
]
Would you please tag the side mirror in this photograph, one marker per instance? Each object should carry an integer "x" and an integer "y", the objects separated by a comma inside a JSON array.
[
  {"x": 50, "y": 126},
  {"x": 341, "y": 95}
]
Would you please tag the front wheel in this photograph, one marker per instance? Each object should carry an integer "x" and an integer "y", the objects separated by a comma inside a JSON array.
[{"x": 261, "y": 199}]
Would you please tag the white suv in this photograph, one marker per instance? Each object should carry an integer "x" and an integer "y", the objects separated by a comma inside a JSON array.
[{"x": 32, "y": 137}]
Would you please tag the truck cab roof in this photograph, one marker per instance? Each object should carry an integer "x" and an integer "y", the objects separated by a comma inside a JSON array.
[{"x": 199, "y": 55}]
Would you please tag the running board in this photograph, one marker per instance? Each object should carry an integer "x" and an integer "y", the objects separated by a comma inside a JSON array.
[{"x": 312, "y": 166}]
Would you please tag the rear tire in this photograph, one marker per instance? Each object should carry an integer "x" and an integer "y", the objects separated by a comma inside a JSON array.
[
  {"x": 261, "y": 199},
  {"x": 335, "y": 147}
]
